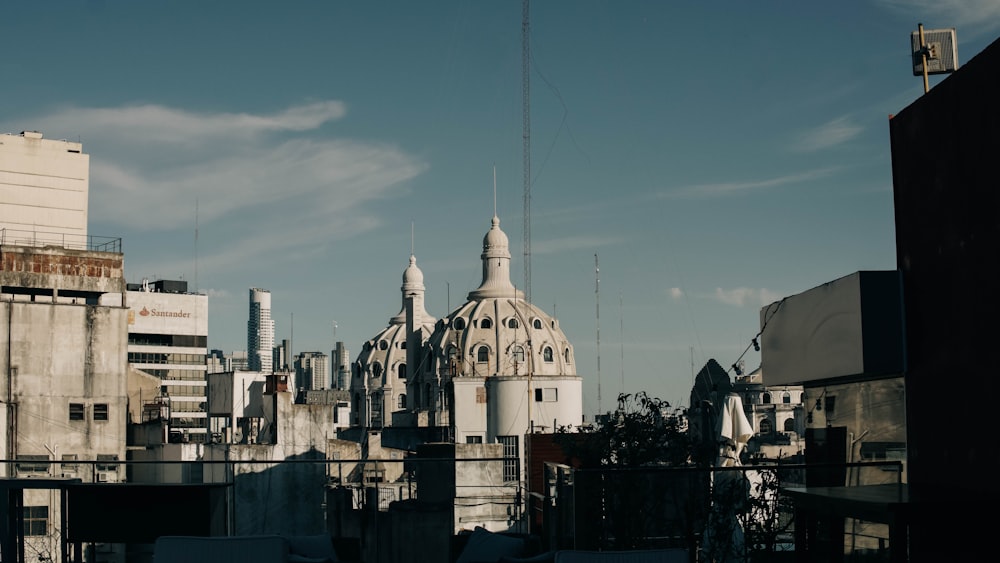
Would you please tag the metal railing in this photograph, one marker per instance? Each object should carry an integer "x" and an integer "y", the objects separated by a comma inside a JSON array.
[
  {"x": 429, "y": 500},
  {"x": 16, "y": 237}
]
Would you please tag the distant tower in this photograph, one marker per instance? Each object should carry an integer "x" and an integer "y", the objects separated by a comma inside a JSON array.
[{"x": 260, "y": 332}]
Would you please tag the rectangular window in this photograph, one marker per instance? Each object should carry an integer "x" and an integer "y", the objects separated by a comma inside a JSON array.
[
  {"x": 36, "y": 520},
  {"x": 546, "y": 395},
  {"x": 511, "y": 472},
  {"x": 69, "y": 462},
  {"x": 473, "y": 439},
  {"x": 107, "y": 466},
  {"x": 76, "y": 411},
  {"x": 101, "y": 411},
  {"x": 480, "y": 395},
  {"x": 31, "y": 464}
]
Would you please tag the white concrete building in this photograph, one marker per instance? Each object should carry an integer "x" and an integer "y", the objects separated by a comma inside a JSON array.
[
  {"x": 45, "y": 186},
  {"x": 379, "y": 378},
  {"x": 168, "y": 338},
  {"x": 260, "y": 331},
  {"x": 499, "y": 366},
  {"x": 63, "y": 362},
  {"x": 494, "y": 369}
]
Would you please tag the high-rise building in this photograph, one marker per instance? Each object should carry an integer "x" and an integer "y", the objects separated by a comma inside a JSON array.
[
  {"x": 340, "y": 364},
  {"x": 45, "y": 186},
  {"x": 168, "y": 338},
  {"x": 260, "y": 331},
  {"x": 312, "y": 370}
]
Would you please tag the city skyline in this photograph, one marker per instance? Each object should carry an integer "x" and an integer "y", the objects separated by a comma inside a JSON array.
[{"x": 712, "y": 159}]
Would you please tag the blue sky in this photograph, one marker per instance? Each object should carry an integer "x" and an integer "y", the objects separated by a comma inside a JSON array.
[{"x": 715, "y": 156}]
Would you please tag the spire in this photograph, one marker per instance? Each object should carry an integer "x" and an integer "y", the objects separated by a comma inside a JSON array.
[
  {"x": 496, "y": 266},
  {"x": 413, "y": 284}
]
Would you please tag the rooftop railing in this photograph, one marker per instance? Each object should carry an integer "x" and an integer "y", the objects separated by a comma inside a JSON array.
[{"x": 15, "y": 237}]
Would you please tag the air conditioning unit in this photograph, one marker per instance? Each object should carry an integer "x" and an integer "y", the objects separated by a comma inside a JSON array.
[{"x": 103, "y": 477}]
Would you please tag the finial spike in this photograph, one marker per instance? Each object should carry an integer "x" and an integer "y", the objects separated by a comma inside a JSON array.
[
  {"x": 411, "y": 238},
  {"x": 494, "y": 189}
]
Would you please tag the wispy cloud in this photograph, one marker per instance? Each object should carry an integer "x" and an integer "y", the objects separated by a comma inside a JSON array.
[
  {"x": 830, "y": 134},
  {"x": 745, "y": 296},
  {"x": 728, "y": 188},
  {"x": 676, "y": 293},
  {"x": 152, "y": 166},
  {"x": 152, "y": 123},
  {"x": 972, "y": 16}
]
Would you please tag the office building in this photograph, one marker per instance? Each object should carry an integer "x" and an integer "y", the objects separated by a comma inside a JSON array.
[
  {"x": 168, "y": 338},
  {"x": 260, "y": 332}
]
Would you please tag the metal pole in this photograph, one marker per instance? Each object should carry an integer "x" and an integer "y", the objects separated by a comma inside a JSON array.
[{"x": 923, "y": 56}]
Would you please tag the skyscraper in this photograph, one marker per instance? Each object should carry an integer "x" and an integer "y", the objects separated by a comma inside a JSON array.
[{"x": 260, "y": 331}]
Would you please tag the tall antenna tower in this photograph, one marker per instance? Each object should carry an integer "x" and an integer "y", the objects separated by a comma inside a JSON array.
[
  {"x": 597, "y": 298},
  {"x": 526, "y": 138}
]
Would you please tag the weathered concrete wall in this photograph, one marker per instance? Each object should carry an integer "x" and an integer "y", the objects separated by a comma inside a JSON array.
[
  {"x": 63, "y": 354},
  {"x": 63, "y": 269}
]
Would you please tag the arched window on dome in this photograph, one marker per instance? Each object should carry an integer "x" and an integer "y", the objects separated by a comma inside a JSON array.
[
  {"x": 518, "y": 353},
  {"x": 765, "y": 398},
  {"x": 566, "y": 355},
  {"x": 547, "y": 354},
  {"x": 401, "y": 401},
  {"x": 786, "y": 397},
  {"x": 376, "y": 369},
  {"x": 537, "y": 323},
  {"x": 401, "y": 371},
  {"x": 486, "y": 323},
  {"x": 765, "y": 426},
  {"x": 459, "y": 323},
  {"x": 382, "y": 345},
  {"x": 483, "y": 355},
  {"x": 789, "y": 425},
  {"x": 512, "y": 323}
]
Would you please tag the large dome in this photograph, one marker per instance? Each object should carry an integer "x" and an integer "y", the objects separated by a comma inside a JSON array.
[{"x": 496, "y": 332}]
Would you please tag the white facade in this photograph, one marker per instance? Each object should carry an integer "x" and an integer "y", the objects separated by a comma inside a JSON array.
[
  {"x": 235, "y": 405},
  {"x": 260, "y": 332},
  {"x": 168, "y": 334},
  {"x": 44, "y": 187},
  {"x": 379, "y": 379}
]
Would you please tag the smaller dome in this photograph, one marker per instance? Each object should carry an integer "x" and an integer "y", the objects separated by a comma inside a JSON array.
[
  {"x": 495, "y": 237},
  {"x": 412, "y": 274}
]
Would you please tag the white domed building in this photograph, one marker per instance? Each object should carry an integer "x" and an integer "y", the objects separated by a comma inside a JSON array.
[
  {"x": 496, "y": 367},
  {"x": 378, "y": 377}
]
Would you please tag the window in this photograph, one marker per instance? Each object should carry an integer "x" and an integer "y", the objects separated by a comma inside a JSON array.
[
  {"x": 69, "y": 462},
  {"x": 786, "y": 397},
  {"x": 401, "y": 401},
  {"x": 547, "y": 354},
  {"x": 486, "y": 323},
  {"x": 829, "y": 403},
  {"x": 537, "y": 324},
  {"x": 766, "y": 398},
  {"x": 33, "y": 464},
  {"x": 511, "y": 472},
  {"x": 106, "y": 466},
  {"x": 473, "y": 439},
  {"x": 101, "y": 411},
  {"x": 566, "y": 355},
  {"x": 512, "y": 323},
  {"x": 76, "y": 411},
  {"x": 376, "y": 369},
  {"x": 401, "y": 371},
  {"x": 518, "y": 354},
  {"x": 546, "y": 395},
  {"x": 789, "y": 425},
  {"x": 483, "y": 355},
  {"x": 765, "y": 426},
  {"x": 36, "y": 520},
  {"x": 459, "y": 323},
  {"x": 382, "y": 345}
]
